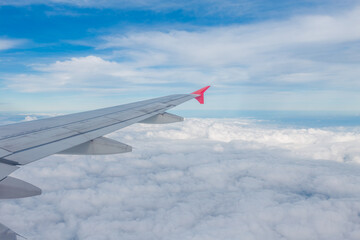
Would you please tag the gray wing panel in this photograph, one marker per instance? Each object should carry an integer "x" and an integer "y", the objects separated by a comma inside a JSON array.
[
  {"x": 37, "y": 152},
  {"x": 53, "y": 136},
  {"x": 6, "y": 169},
  {"x": 3, "y": 152},
  {"x": 23, "y": 128},
  {"x": 35, "y": 139}
]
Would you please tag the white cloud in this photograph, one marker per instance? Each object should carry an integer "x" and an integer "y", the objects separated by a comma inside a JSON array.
[
  {"x": 74, "y": 74},
  {"x": 9, "y": 43},
  {"x": 96, "y": 74},
  {"x": 30, "y": 118},
  {"x": 297, "y": 51},
  {"x": 201, "y": 179},
  {"x": 280, "y": 51},
  {"x": 277, "y": 62}
]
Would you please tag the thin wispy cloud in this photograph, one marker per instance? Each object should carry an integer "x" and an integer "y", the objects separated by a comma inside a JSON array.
[
  {"x": 90, "y": 73},
  {"x": 263, "y": 52},
  {"x": 272, "y": 59},
  {"x": 209, "y": 7},
  {"x": 10, "y": 43},
  {"x": 224, "y": 8}
]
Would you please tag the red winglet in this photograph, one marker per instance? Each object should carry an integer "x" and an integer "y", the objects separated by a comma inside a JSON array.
[{"x": 201, "y": 93}]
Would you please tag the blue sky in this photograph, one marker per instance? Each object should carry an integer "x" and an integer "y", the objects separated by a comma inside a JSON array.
[{"x": 68, "y": 55}]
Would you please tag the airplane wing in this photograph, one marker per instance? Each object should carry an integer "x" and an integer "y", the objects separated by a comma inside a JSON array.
[{"x": 79, "y": 133}]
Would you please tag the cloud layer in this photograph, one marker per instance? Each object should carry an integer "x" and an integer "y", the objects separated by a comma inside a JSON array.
[
  {"x": 294, "y": 51},
  {"x": 201, "y": 179}
]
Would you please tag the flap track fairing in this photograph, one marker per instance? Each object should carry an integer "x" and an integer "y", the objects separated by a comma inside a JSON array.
[
  {"x": 98, "y": 146},
  {"x": 163, "y": 118},
  {"x": 15, "y": 188}
]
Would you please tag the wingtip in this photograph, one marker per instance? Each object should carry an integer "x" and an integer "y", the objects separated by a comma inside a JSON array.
[{"x": 201, "y": 93}]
